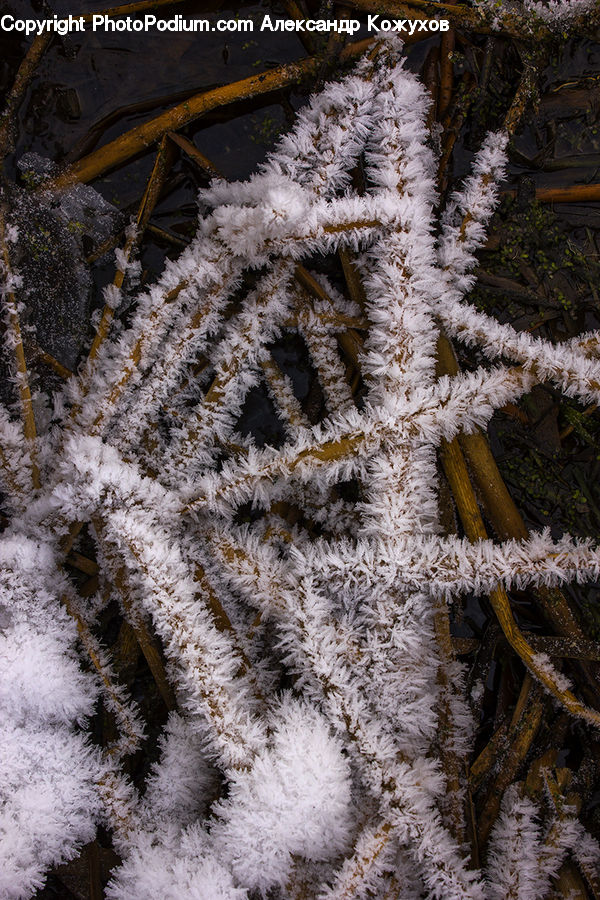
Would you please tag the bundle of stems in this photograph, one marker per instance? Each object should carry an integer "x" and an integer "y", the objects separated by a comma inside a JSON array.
[{"x": 294, "y": 604}]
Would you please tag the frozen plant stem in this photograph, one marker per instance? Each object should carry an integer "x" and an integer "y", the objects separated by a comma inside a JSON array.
[
  {"x": 14, "y": 343},
  {"x": 318, "y": 565}
]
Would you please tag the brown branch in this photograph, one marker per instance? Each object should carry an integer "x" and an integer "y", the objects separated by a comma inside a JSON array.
[
  {"x": 202, "y": 161},
  {"x": 294, "y": 12},
  {"x": 576, "y": 193},
  {"x": 140, "y": 138},
  {"x": 446, "y": 73},
  {"x": 128, "y": 9},
  {"x": 466, "y": 503}
]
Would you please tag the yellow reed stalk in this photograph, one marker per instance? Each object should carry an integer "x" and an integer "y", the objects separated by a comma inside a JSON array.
[
  {"x": 202, "y": 161},
  {"x": 128, "y": 9},
  {"x": 162, "y": 164},
  {"x": 458, "y": 477}
]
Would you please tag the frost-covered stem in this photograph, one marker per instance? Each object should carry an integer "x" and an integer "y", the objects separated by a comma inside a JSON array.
[
  {"x": 322, "y": 347},
  {"x": 130, "y": 364},
  {"x": 317, "y": 304},
  {"x": 512, "y": 871},
  {"x": 209, "y": 667},
  {"x": 123, "y": 707},
  {"x": 10, "y": 483},
  {"x": 169, "y": 358},
  {"x": 258, "y": 574},
  {"x": 135, "y": 617},
  {"x": 335, "y": 514},
  {"x": 363, "y": 870},
  {"x": 15, "y": 462},
  {"x": 588, "y": 862},
  {"x": 561, "y": 363},
  {"x": 522, "y": 859},
  {"x": 282, "y": 393},
  {"x": 133, "y": 236},
  {"x": 463, "y": 403},
  {"x": 111, "y": 301},
  {"x": 400, "y": 347},
  {"x": 499, "y": 506},
  {"x": 239, "y": 482},
  {"x": 15, "y": 345},
  {"x": 224, "y": 624},
  {"x": 236, "y": 360},
  {"x": 334, "y": 310},
  {"x": 464, "y": 495},
  {"x": 120, "y": 804},
  {"x": 442, "y": 865},
  {"x": 309, "y": 638}
]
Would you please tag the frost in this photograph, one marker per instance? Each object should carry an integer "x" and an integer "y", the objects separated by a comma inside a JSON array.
[
  {"x": 344, "y": 784},
  {"x": 543, "y": 664}
]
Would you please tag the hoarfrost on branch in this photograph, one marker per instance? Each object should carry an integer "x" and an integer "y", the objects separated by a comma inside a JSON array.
[{"x": 341, "y": 785}]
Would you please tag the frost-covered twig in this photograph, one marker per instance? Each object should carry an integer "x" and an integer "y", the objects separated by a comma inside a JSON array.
[{"x": 352, "y": 783}]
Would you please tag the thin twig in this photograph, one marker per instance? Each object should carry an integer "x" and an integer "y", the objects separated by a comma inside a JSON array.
[{"x": 139, "y": 139}]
